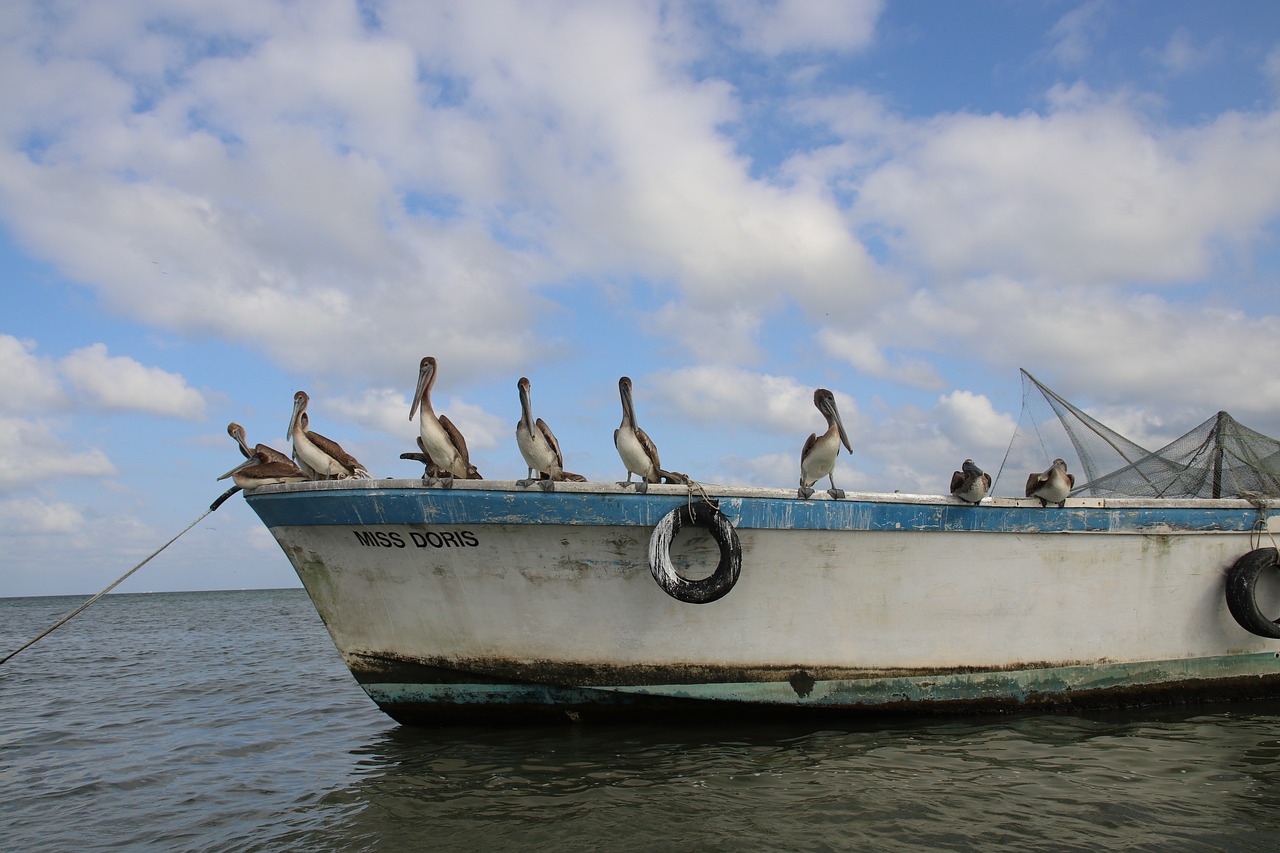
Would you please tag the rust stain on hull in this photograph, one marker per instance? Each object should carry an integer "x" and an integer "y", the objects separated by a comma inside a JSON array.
[{"x": 436, "y": 692}]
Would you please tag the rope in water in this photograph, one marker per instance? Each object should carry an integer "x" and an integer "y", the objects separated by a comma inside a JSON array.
[{"x": 65, "y": 619}]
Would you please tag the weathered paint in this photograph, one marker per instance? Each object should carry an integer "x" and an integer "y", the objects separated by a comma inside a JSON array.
[
  {"x": 485, "y": 502},
  {"x": 1082, "y": 686},
  {"x": 492, "y": 596}
]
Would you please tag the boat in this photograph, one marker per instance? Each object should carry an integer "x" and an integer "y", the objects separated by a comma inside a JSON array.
[{"x": 491, "y": 601}]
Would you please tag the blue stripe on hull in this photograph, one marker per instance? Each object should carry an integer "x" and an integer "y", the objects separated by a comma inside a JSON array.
[{"x": 373, "y": 506}]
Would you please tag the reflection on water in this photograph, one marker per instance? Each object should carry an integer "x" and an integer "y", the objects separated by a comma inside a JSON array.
[
  {"x": 1150, "y": 781},
  {"x": 227, "y": 722}
]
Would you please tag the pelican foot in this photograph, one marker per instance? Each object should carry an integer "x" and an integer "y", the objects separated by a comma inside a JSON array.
[
  {"x": 429, "y": 480},
  {"x": 523, "y": 483},
  {"x": 836, "y": 494},
  {"x": 624, "y": 485},
  {"x": 642, "y": 487},
  {"x": 546, "y": 485},
  {"x": 804, "y": 494}
]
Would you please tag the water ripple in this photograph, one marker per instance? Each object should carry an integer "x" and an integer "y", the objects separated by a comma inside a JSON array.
[{"x": 226, "y": 721}]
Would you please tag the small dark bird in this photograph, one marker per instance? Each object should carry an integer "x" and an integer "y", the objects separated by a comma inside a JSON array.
[
  {"x": 970, "y": 483},
  {"x": 1053, "y": 485}
]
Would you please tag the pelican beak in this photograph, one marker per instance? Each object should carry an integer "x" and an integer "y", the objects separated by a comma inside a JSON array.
[
  {"x": 835, "y": 416},
  {"x": 252, "y": 460},
  {"x": 299, "y": 403},
  {"x": 425, "y": 372},
  {"x": 526, "y": 401},
  {"x": 624, "y": 391}
]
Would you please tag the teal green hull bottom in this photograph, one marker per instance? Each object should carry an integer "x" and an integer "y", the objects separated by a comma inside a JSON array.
[{"x": 1097, "y": 685}]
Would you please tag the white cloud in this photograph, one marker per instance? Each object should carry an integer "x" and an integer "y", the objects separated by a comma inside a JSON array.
[
  {"x": 482, "y": 430},
  {"x": 28, "y": 516},
  {"x": 1136, "y": 349},
  {"x": 383, "y": 409},
  {"x": 732, "y": 397},
  {"x": 774, "y": 27},
  {"x": 323, "y": 184},
  {"x": 867, "y": 352},
  {"x": 31, "y": 452},
  {"x": 348, "y": 197},
  {"x": 1087, "y": 194},
  {"x": 970, "y": 420},
  {"x": 1271, "y": 69},
  {"x": 119, "y": 383},
  {"x": 1182, "y": 54},
  {"x": 903, "y": 448},
  {"x": 27, "y": 383},
  {"x": 1074, "y": 33}
]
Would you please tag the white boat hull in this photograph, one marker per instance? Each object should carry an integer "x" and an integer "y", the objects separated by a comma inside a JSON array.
[{"x": 493, "y": 600}]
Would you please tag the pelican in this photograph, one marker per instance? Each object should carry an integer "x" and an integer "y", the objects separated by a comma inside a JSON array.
[
  {"x": 970, "y": 483},
  {"x": 635, "y": 447},
  {"x": 538, "y": 446},
  {"x": 324, "y": 456},
  {"x": 1052, "y": 486},
  {"x": 263, "y": 467},
  {"x": 818, "y": 458},
  {"x": 430, "y": 472},
  {"x": 441, "y": 440},
  {"x": 272, "y": 455}
]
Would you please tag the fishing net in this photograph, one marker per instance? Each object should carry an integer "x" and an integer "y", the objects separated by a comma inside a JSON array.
[{"x": 1219, "y": 458}]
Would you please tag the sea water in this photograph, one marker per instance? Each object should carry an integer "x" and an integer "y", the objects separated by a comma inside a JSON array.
[{"x": 227, "y": 721}]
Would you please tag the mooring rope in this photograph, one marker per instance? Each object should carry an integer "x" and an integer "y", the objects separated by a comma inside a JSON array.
[{"x": 65, "y": 619}]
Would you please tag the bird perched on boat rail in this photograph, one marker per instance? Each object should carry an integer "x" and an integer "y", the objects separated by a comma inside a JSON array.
[
  {"x": 324, "y": 456},
  {"x": 265, "y": 467},
  {"x": 442, "y": 442},
  {"x": 538, "y": 446},
  {"x": 818, "y": 458},
  {"x": 237, "y": 432},
  {"x": 970, "y": 483},
  {"x": 636, "y": 449},
  {"x": 431, "y": 471},
  {"x": 1051, "y": 486}
]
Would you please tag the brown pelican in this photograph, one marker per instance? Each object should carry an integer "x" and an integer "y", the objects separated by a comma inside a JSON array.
[
  {"x": 262, "y": 468},
  {"x": 441, "y": 440},
  {"x": 635, "y": 447},
  {"x": 324, "y": 456},
  {"x": 1052, "y": 486},
  {"x": 430, "y": 472},
  {"x": 271, "y": 454},
  {"x": 818, "y": 458},
  {"x": 538, "y": 445},
  {"x": 970, "y": 483}
]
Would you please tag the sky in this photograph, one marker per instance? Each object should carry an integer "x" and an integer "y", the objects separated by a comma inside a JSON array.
[{"x": 207, "y": 206}]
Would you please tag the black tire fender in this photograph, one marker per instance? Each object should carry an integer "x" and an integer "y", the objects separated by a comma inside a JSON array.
[
  {"x": 1242, "y": 600},
  {"x": 716, "y": 585}
]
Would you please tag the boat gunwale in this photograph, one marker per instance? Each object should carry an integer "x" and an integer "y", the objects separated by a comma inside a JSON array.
[{"x": 612, "y": 489}]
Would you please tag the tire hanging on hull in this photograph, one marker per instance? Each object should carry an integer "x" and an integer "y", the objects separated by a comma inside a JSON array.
[
  {"x": 1242, "y": 601},
  {"x": 718, "y": 584}
]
